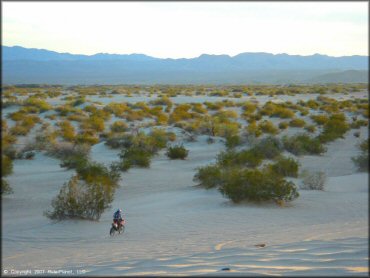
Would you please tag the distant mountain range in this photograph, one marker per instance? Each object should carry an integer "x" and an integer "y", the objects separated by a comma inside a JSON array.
[{"x": 28, "y": 65}]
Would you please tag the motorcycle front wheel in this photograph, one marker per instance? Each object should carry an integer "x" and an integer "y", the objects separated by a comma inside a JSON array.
[{"x": 121, "y": 230}]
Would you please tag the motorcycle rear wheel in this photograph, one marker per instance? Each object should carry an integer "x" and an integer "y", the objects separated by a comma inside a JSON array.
[{"x": 112, "y": 231}]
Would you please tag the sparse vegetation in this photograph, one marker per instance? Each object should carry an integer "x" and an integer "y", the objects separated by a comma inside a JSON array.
[
  {"x": 6, "y": 169},
  {"x": 313, "y": 180},
  {"x": 177, "y": 152},
  {"x": 334, "y": 128},
  {"x": 256, "y": 186},
  {"x": 302, "y": 144},
  {"x": 251, "y": 168},
  {"x": 87, "y": 194},
  {"x": 362, "y": 160},
  {"x": 286, "y": 166}
]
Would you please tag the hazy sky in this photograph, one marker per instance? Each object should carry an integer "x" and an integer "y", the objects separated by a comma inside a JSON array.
[{"x": 188, "y": 29}]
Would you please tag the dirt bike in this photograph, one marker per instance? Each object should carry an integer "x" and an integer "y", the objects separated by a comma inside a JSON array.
[{"x": 117, "y": 227}]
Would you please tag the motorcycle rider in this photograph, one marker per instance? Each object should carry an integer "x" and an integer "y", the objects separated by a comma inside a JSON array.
[{"x": 117, "y": 216}]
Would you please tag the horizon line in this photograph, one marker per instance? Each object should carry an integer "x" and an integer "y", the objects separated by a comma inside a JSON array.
[{"x": 231, "y": 56}]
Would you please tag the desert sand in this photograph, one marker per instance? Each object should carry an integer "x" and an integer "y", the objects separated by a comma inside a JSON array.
[{"x": 176, "y": 228}]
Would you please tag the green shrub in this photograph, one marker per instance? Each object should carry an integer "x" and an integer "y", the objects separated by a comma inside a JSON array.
[
  {"x": 320, "y": 119},
  {"x": 40, "y": 104},
  {"x": 226, "y": 129},
  {"x": 7, "y": 140},
  {"x": 283, "y": 125},
  {"x": 74, "y": 161},
  {"x": 180, "y": 113},
  {"x": 94, "y": 123},
  {"x": 134, "y": 156},
  {"x": 283, "y": 113},
  {"x": 78, "y": 101},
  {"x": 19, "y": 130},
  {"x": 119, "y": 126},
  {"x": 208, "y": 176},
  {"x": 177, "y": 152},
  {"x": 256, "y": 186},
  {"x": 17, "y": 115},
  {"x": 268, "y": 127},
  {"x": 162, "y": 119},
  {"x": 232, "y": 141},
  {"x": 335, "y": 128},
  {"x": 87, "y": 194},
  {"x": 6, "y": 166},
  {"x": 66, "y": 150},
  {"x": 119, "y": 140},
  {"x": 297, "y": 123},
  {"x": 248, "y": 158},
  {"x": 253, "y": 129},
  {"x": 118, "y": 109},
  {"x": 171, "y": 136},
  {"x": 44, "y": 139},
  {"x": 362, "y": 160},
  {"x": 87, "y": 137},
  {"x": 67, "y": 131},
  {"x": 269, "y": 147},
  {"x": 285, "y": 166},
  {"x": 198, "y": 108},
  {"x": 359, "y": 123},
  {"x": 310, "y": 128},
  {"x": 158, "y": 138},
  {"x": 164, "y": 100},
  {"x": 302, "y": 144},
  {"x": 92, "y": 172},
  {"x": 252, "y": 118},
  {"x": 213, "y": 105}
]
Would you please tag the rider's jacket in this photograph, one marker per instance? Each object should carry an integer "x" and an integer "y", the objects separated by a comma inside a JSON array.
[{"x": 117, "y": 215}]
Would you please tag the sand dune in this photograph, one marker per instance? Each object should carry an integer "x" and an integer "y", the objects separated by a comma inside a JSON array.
[{"x": 174, "y": 228}]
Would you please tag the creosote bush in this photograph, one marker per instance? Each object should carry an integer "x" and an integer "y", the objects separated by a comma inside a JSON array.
[
  {"x": 119, "y": 126},
  {"x": 253, "y": 129},
  {"x": 313, "y": 180},
  {"x": 310, "y": 128},
  {"x": 268, "y": 127},
  {"x": 362, "y": 160},
  {"x": 269, "y": 147},
  {"x": 74, "y": 161},
  {"x": 320, "y": 119},
  {"x": 87, "y": 194},
  {"x": 135, "y": 156},
  {"x": 256, "y": 186},
  {"x": 72, "y": 155},
  {"x": 177, "y": 152},
  {"x": 246, "y": 158},
  {"x": 208, "y": 176},
  {"x": 334, "y": 128},
  {"x": 232, "y": 141},
  {"x": 6, "y": 169},
  {"x": 297, "y": 122},
  {"x": 286, "y": 166},
  {"x": 283, "y": 125},
  {"x": 302, "y": 144}
]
